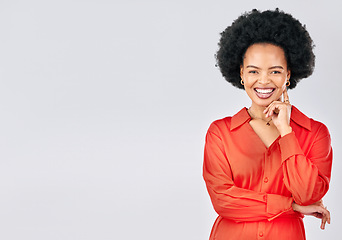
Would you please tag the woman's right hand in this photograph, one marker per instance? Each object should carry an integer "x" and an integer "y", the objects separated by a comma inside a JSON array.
[{"x": 316, "y": 209}]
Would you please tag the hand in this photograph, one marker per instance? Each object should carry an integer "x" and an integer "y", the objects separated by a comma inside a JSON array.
[
  {"x": 281, "y": 113},
  {"x": 316, "y": 209}
]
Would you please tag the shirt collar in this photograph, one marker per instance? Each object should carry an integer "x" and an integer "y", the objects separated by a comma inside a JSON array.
[
  {"x": 240, "y": 118},
  {"x": 297, "y": 116}
]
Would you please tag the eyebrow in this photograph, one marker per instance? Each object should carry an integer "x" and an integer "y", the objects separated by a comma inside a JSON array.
[{"x": 252, "y": 66}]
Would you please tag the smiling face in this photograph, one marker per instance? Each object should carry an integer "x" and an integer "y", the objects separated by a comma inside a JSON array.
[{"x": 264, "y": 72}]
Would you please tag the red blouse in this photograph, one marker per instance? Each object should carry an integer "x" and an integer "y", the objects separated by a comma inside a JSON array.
[{"x": 252, "y": 187}]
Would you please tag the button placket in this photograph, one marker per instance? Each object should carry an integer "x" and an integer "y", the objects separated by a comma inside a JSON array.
[
  {"x": 261, "y": 230},
  {"x": 267, "y": 164},
  {"x": 265, "y": 172}
]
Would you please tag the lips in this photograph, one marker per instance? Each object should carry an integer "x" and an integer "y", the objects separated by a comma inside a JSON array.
[{"x": 264, "y": 92}]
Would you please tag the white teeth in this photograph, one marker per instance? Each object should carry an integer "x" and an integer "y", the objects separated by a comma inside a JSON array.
[{"x": 260, "y": 90}]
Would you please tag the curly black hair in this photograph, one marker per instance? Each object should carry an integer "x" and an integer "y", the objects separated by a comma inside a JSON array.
[{"x": 274, "y": 27}]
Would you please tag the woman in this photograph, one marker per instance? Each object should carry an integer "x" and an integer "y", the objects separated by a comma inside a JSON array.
[{"x": 269, "y": 165}]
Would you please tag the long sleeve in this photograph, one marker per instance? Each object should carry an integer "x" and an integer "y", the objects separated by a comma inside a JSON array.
[
  {"x": 307, "y": 176},
  {"x": 230, "y": 201}
]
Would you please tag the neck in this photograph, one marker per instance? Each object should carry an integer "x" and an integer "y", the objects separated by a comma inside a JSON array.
[{"x": 258, "y": 112}]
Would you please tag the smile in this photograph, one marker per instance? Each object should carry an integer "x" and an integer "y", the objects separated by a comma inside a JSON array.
[{"x": 264, "y": 92}]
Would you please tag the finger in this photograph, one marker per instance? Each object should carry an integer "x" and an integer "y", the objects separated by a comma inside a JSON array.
[
  {"x": 274, "y": 109},
  {"x": 326, "y": 217},
  {"x": 327, "y": 214},
  {"x": 270, "y": 111},
  {"x": 329, "y": 218},
  {"x": 267, "y": 110},
  {"x": 286, "y": 96},
  {"x": 270, "y": 105},
  {"x": 320, "y": 203},
  {"x": 323, "y": 223},
  {"x": 324, "y": 220}
]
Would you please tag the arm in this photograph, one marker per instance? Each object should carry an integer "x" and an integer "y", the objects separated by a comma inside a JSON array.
[
  {"x": 307, "y": 177},
  {"x": 232, "y": 202}
]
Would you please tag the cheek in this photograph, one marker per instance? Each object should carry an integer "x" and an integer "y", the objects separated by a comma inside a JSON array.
[
  {"x": 281, "y": 82},
  {"x": 250, "y": 81}
]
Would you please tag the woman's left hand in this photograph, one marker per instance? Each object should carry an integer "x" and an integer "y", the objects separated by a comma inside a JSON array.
[
  {"x": 316, "y": 209},
  {"x": 280, "y": 113}
]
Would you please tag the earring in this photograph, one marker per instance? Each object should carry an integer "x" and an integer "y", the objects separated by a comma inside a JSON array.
[
  {"x": 288, "y": 83},
  {"x": 242, "y": 82}
]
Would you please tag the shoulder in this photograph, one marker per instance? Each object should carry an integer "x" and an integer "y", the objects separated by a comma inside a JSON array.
[
  {"x": 318, "y": 126},
  {"x": 220, "y": 125},
  {"x": 316, "y": 141},
  {"x": 319, "y": 129},
  {"x": 313, "y": 126},
  {"x": 231, "y": 122}
]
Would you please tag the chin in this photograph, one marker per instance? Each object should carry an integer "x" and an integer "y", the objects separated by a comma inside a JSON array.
[{"x": 264, "y": 102}]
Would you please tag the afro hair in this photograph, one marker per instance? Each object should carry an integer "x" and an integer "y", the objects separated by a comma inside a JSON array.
[{"x": 274, "y": 27}]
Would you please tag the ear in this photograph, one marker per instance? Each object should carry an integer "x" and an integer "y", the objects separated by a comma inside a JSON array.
[
  {"x": 288, "y": 74},
  {"x": 241, "y": 71}
]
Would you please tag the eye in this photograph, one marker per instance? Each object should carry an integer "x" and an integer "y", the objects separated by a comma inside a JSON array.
[
  {"x": 253, "y": 72},
  {"x": 275, "y": 72}
]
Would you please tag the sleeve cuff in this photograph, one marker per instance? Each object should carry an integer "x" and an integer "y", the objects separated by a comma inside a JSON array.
[
  {"x": 278, "y": 204},
  {"x": 289, "y": 146}
]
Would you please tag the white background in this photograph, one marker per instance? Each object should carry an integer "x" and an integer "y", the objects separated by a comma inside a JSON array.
[{"x": 104, "y": 108}]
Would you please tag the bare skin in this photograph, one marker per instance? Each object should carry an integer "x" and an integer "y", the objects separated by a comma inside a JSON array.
[
  {"x": 264, "y": 73},
  {"x": 317, "y": 210}
]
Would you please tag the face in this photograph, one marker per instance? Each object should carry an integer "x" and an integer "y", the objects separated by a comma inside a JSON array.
[{"x": 264, "y": 72}]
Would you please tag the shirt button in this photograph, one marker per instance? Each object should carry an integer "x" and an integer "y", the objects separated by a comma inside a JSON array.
[
  {"x": 261, "y": 234},
  {"x": 265, "y": 179}
]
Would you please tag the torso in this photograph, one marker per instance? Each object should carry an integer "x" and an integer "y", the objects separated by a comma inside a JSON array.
[{"x": 249, "y": 163}]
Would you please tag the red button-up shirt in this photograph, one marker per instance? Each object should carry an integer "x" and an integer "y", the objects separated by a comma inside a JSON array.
[{"x": 252, "y": 187}]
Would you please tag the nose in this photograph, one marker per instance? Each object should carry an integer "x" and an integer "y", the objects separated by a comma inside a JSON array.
[{"x": 263, "y": 79}]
